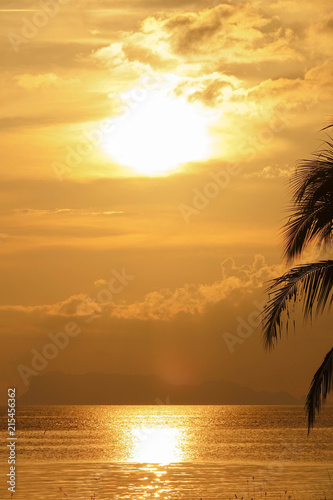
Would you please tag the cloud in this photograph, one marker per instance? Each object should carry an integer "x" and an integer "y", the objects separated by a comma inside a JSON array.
[
  {"x": 240, "y": 58},
  {"x": 191, "y": 31},
  {"x": 327, "y": 24},
  {"x": 225, "y": 33},
  {"x": 112, "y": 56},
  {"x": 100, "y": 282},
  {"x": 228, "y": 33},
  {"x": 33, "y": 82},
  {"x": 272, "y": 172},
  {"x": 66, "y": 211},
  {"x": 220, "y": 35},
  {"x": 237, "y": 58},
  {"x": 209, "y": 89},
  {"x": 75, "y": 306},
  {"x": 193, "y": 299},
  {"x": 165, "y": 304}
]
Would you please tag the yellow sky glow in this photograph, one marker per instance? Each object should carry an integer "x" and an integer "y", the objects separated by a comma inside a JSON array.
[{"x": 212, "y": 104}]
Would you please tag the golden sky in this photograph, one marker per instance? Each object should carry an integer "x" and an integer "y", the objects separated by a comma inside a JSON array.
[{"x": 156, "y": 137}]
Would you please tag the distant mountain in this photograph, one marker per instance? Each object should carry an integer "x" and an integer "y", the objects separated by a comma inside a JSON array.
[{"x": 56, "y": 388}]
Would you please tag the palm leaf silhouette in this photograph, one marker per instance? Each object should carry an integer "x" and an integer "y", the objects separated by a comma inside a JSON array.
[
  {"x": 321, "y": 385},
  {"x": 311, "y": 283},
  {"x": 311, "y": 221},
  {"x": 312, "y": 192}
]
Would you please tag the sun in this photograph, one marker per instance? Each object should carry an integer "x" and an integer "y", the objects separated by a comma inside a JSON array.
[{"x": 159, "y": 134}]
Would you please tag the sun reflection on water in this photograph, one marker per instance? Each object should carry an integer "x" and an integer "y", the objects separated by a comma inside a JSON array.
[{"x": 155, "y": 444}]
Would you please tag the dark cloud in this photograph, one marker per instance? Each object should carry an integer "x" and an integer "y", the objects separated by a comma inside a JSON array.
[
  {"x": 145, "y": 55},
  {"x": 252, "y": 71},
  {"x": 189, "y": 31},
  {"x": 328, "y": 24},
  {"x": 206, "y": 89},
  {"x": 211, "y": 94}
]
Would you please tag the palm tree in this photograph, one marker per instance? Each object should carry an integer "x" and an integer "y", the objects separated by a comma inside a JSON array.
[{"x": 311, "y": 221}]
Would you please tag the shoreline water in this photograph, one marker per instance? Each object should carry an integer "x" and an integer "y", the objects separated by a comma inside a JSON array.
[{"x": 184, "y": 452}]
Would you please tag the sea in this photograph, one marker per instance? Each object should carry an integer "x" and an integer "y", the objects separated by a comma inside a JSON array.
[{"x": 168, "y": 452}]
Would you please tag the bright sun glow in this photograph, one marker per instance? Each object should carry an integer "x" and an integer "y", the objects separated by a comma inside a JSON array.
[
  {"x": 156, "y": 445},
  {"x": 158, "y": 134}
]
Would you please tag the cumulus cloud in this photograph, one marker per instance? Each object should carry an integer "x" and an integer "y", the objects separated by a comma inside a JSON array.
[
  {"x": 195, "y": 299},
  {"x": 165, "y": 304},
  {"x": 111, "y": 56},
  {"x": 207, "y": 54},
  {"x": 225, "y": 33}
]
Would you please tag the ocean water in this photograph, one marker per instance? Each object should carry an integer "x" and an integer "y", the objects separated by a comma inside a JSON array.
[{"x": 169, "y": 452}]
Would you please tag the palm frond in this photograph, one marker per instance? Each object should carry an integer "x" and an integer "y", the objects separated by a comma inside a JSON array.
[
  {"x": 321, "y": 385},
  {"x": 327, "y": 126},
  {"x": 311, "y": 283},
  {"x": 312, "y": 212},
  {"x": 307, "y": 224}
]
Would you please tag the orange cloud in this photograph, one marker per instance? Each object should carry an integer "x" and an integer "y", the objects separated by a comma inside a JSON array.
[{"x": 164, "y": 304}]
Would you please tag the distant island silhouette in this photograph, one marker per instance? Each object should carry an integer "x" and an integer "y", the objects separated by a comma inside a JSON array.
[{"x": 57, "y": 388}]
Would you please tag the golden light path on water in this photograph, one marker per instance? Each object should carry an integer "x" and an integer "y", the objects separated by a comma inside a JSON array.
[{"x": 156, "y": 445}]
